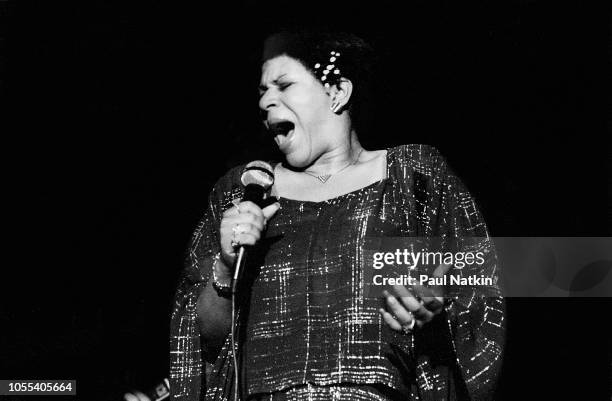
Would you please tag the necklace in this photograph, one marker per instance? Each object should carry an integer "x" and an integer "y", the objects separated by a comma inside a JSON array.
[{"x": 324, "y": 177}]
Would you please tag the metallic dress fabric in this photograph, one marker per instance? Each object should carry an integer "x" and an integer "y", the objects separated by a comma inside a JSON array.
[{"x": 305, "y": 329}]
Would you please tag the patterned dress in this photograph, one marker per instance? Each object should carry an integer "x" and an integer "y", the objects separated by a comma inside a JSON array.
[{"x": 306, "y": 330}]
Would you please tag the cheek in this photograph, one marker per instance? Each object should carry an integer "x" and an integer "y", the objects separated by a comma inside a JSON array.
[{"x": 311, "y": 110}]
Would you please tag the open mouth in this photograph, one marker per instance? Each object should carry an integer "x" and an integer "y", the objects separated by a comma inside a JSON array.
[
  {"x": 282, "y": 131},
  {"x": 280, "y": 127}
]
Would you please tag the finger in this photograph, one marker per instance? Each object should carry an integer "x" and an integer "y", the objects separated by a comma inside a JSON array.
[
  {"x": 228, "y": 225},
  {"x": 242, "y": 208},
  {"x": 441, "y": 270},
  {"x": 395, "y": 307},
  {"x": 250, "y": 207},
  {"x": 247, "y": 228},
  {"x": 141, "y": 396},
  {"x": 429, "y": 299},
  {"x": 130, "y": 397},
  {"x": 246, "y": 239},
  {"x": 438, "y": 290},
  {"x": 251, "y": 220},
  {"x": 234, "y": 210},
  {"x": 390, "y": 320},
  {"x": 414, "y": 305},
  {"x": 270, "y": 210},
  {"x": 423, "y": 314},
  {"x": 243, "y": 219},
  {"x": 407, "y": 298}
]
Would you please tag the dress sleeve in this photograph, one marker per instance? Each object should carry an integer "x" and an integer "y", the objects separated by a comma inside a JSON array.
[
  {"x": 188, "y": 367},
  {"x": 463, "y": 346}
]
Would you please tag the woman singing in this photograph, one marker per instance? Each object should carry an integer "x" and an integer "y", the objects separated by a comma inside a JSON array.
[{"x": 306, "y": 330}]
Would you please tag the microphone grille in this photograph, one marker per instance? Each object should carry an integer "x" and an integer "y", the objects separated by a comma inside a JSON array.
[{"x": 258, "y": 173}]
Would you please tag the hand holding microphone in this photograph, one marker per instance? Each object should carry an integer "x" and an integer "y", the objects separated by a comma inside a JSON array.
[{"x": 242, "y": 224}]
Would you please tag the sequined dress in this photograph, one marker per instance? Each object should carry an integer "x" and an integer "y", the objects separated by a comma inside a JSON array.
[{"x": 307, "y": 330}]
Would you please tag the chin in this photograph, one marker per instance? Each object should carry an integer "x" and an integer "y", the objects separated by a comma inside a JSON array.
[{"x": 297, "y": 160}]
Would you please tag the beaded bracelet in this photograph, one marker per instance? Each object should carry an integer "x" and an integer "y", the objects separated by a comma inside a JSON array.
[{"x": 222, "y": 289}]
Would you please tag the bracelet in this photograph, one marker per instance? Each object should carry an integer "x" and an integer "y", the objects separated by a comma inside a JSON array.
[{"x": 222, "y": 289}]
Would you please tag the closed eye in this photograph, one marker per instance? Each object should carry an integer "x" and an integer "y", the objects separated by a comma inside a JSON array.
[
  {"x": 280, "y": 85},
  {"x": 262, "y": 89}
]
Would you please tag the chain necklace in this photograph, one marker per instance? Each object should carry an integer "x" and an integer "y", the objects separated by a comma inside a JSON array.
[{"x": 324, "y": 177}]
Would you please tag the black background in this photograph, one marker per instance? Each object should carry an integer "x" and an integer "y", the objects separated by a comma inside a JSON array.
[{"x": 119, "y": 116}]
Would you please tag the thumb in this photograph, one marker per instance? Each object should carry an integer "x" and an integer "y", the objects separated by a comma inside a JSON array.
[
  {"x": 438, "y": 290},
  {"x": 441, "y": 270},
  {"x": 270, "y": 210},
  {"x": 141, "y": 396}
]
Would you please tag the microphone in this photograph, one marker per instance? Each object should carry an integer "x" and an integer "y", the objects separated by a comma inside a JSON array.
[
  {"x": 257, "y": 178},
  {"x": 160, "y": 392}
]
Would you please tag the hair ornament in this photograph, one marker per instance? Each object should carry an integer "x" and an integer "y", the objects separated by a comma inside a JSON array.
[{"x": 324, "y": 74}]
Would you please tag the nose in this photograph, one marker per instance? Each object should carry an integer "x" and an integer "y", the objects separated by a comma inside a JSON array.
[{"x": 268, "y": 100}]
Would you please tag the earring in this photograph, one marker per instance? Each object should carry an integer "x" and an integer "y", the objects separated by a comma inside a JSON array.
[{"x": 335, "y": 106}]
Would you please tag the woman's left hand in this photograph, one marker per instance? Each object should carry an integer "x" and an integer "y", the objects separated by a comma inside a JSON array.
[
  {"x": 135, "y": 396},
  {"x": 416, "y": 308}
]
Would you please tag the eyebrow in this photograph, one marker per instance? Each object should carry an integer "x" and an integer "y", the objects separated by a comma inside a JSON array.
[{"x": 275, "y": 82}]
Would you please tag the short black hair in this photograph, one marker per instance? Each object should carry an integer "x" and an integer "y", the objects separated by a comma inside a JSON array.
[{"x": 357, "y": 62}]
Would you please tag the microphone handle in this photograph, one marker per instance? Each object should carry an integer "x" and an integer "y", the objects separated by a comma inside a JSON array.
[{"x": 255, "y": 194}]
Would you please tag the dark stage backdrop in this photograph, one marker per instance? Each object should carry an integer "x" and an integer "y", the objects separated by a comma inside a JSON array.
[{"x": 118, "y": 116}]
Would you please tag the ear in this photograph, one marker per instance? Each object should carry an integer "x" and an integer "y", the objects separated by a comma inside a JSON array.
[{"x": 340, "y": 93}]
